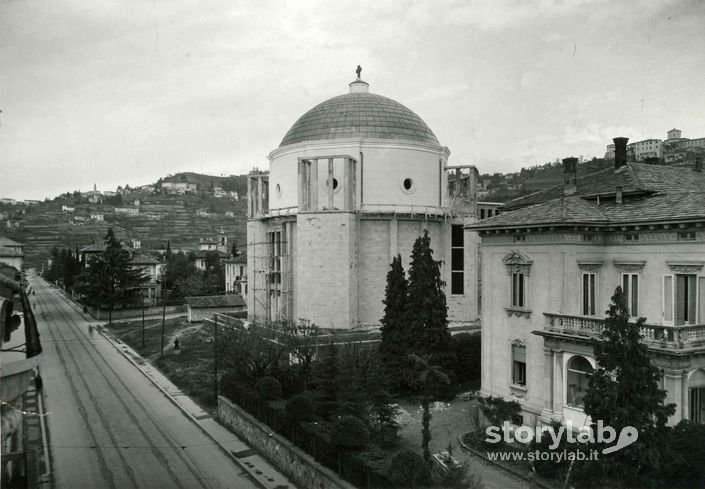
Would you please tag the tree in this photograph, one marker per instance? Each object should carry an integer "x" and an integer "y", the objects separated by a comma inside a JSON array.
[
  {"x": 624, "y": 391},
  {"x": 325, "y": 383},
  {"x": 109, "y": 278},
  {"x": 395, "y": 342},
  {"x": 383, "y": 412},
  {"x": 430, "y": 382},
  {"x": 427, "y": 317},
  {"x": 301, "y": 341}
]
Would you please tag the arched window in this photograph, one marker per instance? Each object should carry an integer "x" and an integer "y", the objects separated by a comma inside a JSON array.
[{"x": 579, "y": 372}]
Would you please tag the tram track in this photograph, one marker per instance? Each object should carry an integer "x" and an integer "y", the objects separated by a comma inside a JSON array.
[{"x": 122, "y": 393}]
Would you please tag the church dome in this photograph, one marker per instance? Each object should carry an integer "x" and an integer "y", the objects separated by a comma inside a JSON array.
[{"x": 359, "y": 114}]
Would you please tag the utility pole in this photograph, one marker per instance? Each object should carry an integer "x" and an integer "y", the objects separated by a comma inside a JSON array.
[
  {"x": 215, "y": 356},
  {"x": 142, "y": 300},
  {"x": 163, "y": 318}
]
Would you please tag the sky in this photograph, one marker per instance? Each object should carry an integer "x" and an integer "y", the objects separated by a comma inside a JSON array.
[{"x": 125, "y": 92}]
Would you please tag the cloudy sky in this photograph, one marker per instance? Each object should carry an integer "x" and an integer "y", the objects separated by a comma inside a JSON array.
[{"x": 124, "y": 92}]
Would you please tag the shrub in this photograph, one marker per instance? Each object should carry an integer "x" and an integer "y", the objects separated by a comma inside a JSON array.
[
  {"x": 300, "y": 408},
  {"x": 408, "y": 469},
  {"x": 350, "y": 432},
  {"x": 269, "y": 388},
  {"x": 497, "y": 410}
]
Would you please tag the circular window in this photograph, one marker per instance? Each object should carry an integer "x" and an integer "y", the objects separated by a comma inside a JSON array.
[
  {"x": 407, "y": 185},
  {"x": 336, "y": 185},
  {"x": 279, "y": 191}
]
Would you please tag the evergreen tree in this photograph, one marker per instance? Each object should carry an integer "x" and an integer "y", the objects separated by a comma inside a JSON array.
[
  {"x": 427, "y": 324},
  {"x": 382, "y": 410},
  {"x": 324, "y": 383},
  {"x": 624, "y": 391},
  {"x": 395, "y": 338},
  {"x": 109, "y": 278}
]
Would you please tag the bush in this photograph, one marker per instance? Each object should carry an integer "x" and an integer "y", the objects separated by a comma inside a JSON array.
[
  {"x": 300, "y": 408},
  {"x": 467, "y": 349},
  {"x": 409, "y": 469},
  {"x": 497, "y": 410},
  {"x": 269, "y": 388},
  {"x": 350, "y": 432}
]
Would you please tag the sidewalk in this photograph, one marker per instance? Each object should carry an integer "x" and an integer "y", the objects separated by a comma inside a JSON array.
[{"x": 259, "y": 469}]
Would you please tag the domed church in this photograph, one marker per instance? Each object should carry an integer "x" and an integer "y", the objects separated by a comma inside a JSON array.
[{"x": 353, "y": 183}]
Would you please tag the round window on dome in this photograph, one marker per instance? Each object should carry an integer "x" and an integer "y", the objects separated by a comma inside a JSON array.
[
  {"x": 408, "y": 185},
  {"x": 336, "y": 184}
]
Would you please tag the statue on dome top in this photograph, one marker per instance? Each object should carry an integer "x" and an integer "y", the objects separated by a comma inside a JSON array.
[{"x": 358, "y": 71}]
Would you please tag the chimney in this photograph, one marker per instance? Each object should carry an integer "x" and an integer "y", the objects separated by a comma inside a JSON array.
[
  {"x": 618, "y": 195},
  {"x": 570, "y": 175},
  {"x": 620, "y": 152},
  {"x": 699, "y": 164}
]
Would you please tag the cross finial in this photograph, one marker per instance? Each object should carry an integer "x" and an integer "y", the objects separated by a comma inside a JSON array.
[{"x": 358, "y": 71}]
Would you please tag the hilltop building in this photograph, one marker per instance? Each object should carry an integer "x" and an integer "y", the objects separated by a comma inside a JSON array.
[
  {"x": 673, "y": 149},
  {"x": 551, "y": 262},
  {"x": 218, "y": 244},
  {"x": 236, "y": 275},
  {"x": 355, "y": 181}
]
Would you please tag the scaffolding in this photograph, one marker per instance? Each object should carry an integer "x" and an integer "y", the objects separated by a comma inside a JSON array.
[{"x": 271, "y": 287}]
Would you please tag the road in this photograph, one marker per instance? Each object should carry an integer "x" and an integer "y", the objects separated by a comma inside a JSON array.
[{"x": 109, "y": 426}]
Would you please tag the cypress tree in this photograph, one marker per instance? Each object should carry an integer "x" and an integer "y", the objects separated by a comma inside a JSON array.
[
  {"x": 427, "y": 309},
  {"x": 395, "y": 341}
]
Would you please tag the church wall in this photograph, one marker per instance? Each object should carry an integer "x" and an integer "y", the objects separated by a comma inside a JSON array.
[
  {"x": 374, "y": 265},
  {"x": 326, "y": 269}
]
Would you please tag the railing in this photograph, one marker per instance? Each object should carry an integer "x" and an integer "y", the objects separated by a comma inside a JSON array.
[{"x": 654, "y": 335}]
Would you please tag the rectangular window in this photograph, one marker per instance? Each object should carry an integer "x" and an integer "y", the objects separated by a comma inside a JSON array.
[
  {"x": 688, "y": 236},
  {"x": 630, "y": 286},
  {"x": 686, "y": 299},
  {"x": 518, "y": 290},
  {"x": 275, "y": 248},
  {"x": 631, "y": 237},
  {"x": 589, "y": 292},
  {"x": 457, "y": 260},
  {"x": 680, "y": 299},
  {"x": 518, "y": 365},
  {"x": 482, "y": 213}
]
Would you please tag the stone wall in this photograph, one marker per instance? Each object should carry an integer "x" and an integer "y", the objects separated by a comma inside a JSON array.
[{"x": 294, "y": 462}]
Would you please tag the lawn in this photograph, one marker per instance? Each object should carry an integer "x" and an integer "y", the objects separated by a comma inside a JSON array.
[{"x": 190, "y": 367}]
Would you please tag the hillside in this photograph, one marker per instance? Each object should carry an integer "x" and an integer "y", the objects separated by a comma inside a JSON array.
[{"x": 151, "y": 214}]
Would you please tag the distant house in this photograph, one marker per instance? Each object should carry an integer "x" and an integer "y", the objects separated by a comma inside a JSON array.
[
  {"x": 152, "y": 268},
  {"x": 11, "y": 253},
  {"x": 126, "y": 211},
  {"x": 66, "y": 208},
  {"x": 32, "y": 202},
  {"x": 98, "y": 217},
  {"x": 202, "y": 307},
  {"x": 219, "y": 193},
  {"x": 7, "y": 201},
  {"x": 236, "y": 275},
  {"x": 78, "y": 220},
  {"x": 229, "y": 214},
  {"x": 202, "y": 213},
  {"x": 201, "y": 258}
]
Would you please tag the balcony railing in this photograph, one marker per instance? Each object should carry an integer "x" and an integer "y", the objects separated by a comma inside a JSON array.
[{"x": 679, "y": 337}]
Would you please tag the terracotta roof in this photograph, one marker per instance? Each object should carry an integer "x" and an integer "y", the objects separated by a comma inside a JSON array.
[
  {"x": 206, "y": 301},
  {"x": 143, "y": 260},
  {"x": 634, "y": 178},
  {"x": 651, "y": 193}
]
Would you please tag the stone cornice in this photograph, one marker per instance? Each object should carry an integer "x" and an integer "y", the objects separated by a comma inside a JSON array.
[
  {"x": 685, "y": 266},
  {"x": 629, "y": 265}
]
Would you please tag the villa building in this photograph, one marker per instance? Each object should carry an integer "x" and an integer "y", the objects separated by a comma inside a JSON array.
[{"x": 551, "y": 262}]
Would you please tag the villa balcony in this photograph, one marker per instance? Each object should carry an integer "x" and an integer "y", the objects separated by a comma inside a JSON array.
[{"x": 656, "y": 336}]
